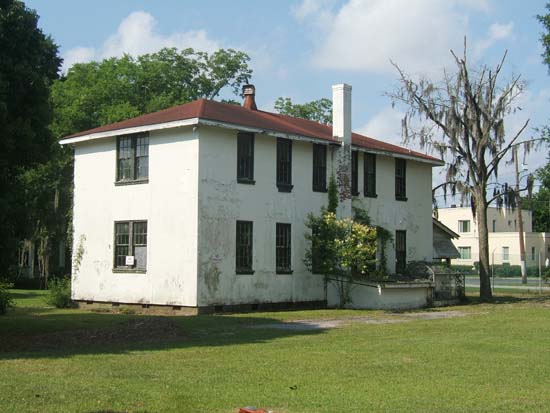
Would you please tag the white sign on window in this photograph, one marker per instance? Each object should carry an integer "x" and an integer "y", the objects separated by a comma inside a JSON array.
[{"x": 129, "y": 260}]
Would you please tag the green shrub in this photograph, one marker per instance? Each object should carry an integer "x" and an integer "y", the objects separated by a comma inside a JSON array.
[
  {"x": 6, "y": 300},
  {"x": 59, "y": 293}
]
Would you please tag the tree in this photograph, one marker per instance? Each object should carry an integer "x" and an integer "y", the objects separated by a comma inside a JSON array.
[
  {"x": 29, "y": 63},
  {"x": 97, "y": 93},
  {"x": 464, "y": 121},
  {"x": 317, "y": 110},
  {"x": 539, "y": 203},
  {"x": 544, "y": 19}
]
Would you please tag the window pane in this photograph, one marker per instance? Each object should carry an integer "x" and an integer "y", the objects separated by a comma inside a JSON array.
[
  {"x": 370, "y": 174},
  {"x": 319, "y": 167},
  {"x": 142, "y": 157},
  {"x": 122, "y": 243},
  {"x": 124, "y": 159},
  {"x": 354, "y": 173},
  {"x": 244, "y": 246},
  {"x": 284, "y": 162},
  {"x": 140, "y": 233},
  {"x": 400, "y": 178},
  {"x": 245, "y": 156},
  {"x": 282, "y": 248},
  {"x": 400, "y": 251}
]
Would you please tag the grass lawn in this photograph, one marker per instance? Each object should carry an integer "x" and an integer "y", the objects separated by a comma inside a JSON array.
[{"x": 489, "y": 357}]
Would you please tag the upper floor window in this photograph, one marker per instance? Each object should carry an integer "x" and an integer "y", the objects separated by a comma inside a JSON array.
[
  {"x": 284, "y": 165},
  {"x": 131, "y": 245},
  {"x": 369, "y": 175},
  {"x": 282, "y": 248},
  {"x": 464, "y": 226},
  {"x": 400, "y": 179},
  {"x": 243, "y": 253},
  {"x": 354, "y": 173},
  {"x": 132, "y": 158},
  {"x": 319, "y": 167},
  {"x": 245, "y": 158}
]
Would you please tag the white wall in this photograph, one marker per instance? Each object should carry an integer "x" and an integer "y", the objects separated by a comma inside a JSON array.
[
  {"x": 413, "y": 215},
  {"x": 223, "y": 201},
  {"x": 169, "y": 204},
  {"x": 505, "y": 219}
]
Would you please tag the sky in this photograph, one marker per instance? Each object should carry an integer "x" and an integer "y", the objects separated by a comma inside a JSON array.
[{"x": 300, "y": 48}]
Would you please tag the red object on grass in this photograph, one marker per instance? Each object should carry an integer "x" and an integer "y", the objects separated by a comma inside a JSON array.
[{"x": 251, "y": 410}]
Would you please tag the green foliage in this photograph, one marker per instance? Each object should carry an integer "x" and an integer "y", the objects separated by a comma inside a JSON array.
[
  {"x": 539, "y": 203},
  {"x": 544, "y": 19},
  {"x": 59, "y": 293},
  {"x": 6, "y": 299},
  {"x": 98, "y": 93},
  {"x": 341, "y": 250},
  {"x": 317, "y": 110},
  {"x": 29, "y": 63},
  {"x": 332, "y": 195}
]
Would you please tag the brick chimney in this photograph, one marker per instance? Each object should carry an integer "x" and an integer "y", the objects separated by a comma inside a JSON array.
[
  {"x": 249, "y": 93},
  {"x": 341, "y": 130}
]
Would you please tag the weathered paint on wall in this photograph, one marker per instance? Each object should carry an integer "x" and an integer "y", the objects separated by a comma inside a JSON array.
[
  {"x": 413, "y": 215},
  {"x": 223, "y": 201},
  {"x": 169, "y": 204}
]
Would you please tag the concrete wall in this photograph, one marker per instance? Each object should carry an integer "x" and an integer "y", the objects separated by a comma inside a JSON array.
[
  {"x": 380, "y": 297},
  {"x": 223, "y": 201},
  {"x": 505, "y": 220},
  {"x": 413, "y": 215},
  {"x": 540, "y": 241},
  {"x": 169, "y": 204}
]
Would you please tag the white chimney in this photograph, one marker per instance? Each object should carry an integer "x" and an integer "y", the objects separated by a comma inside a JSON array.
[
  {"x": 341, "y": 112},
  {"x": 341, "y": 130}
]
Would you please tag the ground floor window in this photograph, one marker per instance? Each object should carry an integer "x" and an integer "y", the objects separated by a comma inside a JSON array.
[
  {"x": 130, "y": 245},
  {"x": 244, "y": 247},
  {"x": 400, "y": 251},
  {"x": 505, "y": 253},
  {"x": 282, "y": 248},
  {"x": 465, "y": 253}
]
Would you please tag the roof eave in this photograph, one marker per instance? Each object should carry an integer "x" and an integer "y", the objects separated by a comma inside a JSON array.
[{"x": 433, "y": 162}]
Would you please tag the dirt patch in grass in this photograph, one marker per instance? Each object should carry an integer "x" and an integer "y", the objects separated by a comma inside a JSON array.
[
  {"x": 137, "y": 331},
  {"x": 390, "y": 318}
]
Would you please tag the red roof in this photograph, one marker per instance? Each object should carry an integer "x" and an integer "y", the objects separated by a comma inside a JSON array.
[{"x": 237, "y": 115}]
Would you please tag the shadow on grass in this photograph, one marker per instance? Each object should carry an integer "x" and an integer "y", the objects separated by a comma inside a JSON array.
[
  {"x": 43, "y": 333},
  {"x": 503, "y": 298}
]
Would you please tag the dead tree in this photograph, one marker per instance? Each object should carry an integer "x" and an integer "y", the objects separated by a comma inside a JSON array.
[{"x": 462, "y": 118}]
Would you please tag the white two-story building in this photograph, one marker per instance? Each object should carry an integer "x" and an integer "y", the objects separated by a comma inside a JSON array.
[{"x": 204, "y": 204}]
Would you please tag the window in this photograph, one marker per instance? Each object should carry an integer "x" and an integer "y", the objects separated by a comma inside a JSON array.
[
  {"x": 131, "y": 245},
  {"x": 515, "y": 225},
  {"x": 319, "y": 168},
  {"x": 505, "y": 253},
  {"x": 400, "y": 251},
  {"x": 244, "y": 248},
  {"x": 533, "y": 255},
  {"x": 282, "y": 249},
  {"x": 494, "y": 225},
  {"x": 369, "y": 173},
  {"x": 132, "y": 158},
  {"x": 245, "y": 158},
  {"x": 354, "y": 173},
  {"x": 464, "y": 226},
  {"x": 401, "y": 179},
  {"x": 284, "y": 165},
  {"x": 465, "y": 253}
]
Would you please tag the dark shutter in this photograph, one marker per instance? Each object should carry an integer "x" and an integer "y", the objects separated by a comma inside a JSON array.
[
  {"x": 284, "y": 165},
  {"x": 319, "y": 168}
]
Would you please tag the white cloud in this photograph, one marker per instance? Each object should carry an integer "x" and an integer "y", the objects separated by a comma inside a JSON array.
[
  {"x": 497, "y": 32},
  {"x": 137, "y": 35},
  {"x": 364, "y": 35},
  {"x": 384, "y": 126}
]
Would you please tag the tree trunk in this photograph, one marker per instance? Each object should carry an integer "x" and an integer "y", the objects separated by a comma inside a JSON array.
[
  {"x": 520, "y": 223},
  {"x": 484, "y": 264}
]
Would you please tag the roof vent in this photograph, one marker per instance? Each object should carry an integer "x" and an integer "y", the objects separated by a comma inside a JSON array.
[{"x": 249, "y": 93}]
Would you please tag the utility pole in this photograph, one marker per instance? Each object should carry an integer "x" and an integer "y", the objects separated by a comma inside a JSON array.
[{"x": 520, "y": 222}]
